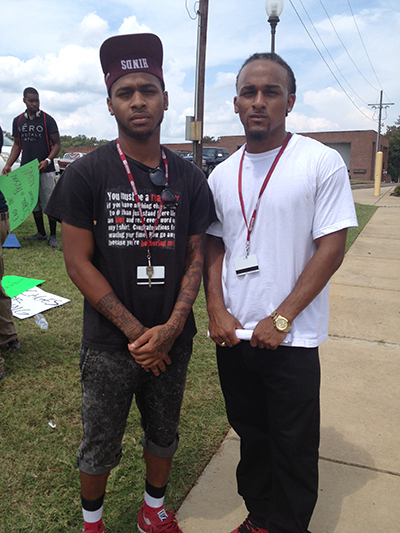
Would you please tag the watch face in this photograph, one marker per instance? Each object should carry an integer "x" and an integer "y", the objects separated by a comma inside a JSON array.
[{"x": 281, "y": 324}]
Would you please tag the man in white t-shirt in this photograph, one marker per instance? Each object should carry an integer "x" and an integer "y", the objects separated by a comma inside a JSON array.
[{"x": 284, "y": 204}]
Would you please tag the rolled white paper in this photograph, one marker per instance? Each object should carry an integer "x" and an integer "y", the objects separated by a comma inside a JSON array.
[{"x": 241, "y": 334}]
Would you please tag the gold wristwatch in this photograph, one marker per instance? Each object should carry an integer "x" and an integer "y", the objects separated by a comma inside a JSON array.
[{"x": 282, "y": 324}]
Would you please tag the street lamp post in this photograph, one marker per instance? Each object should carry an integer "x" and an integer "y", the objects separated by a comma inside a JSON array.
[{"x": 274, "y": 9}]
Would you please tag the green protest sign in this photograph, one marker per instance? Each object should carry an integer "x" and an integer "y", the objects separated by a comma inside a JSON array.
[
  {"x": 21, "y": 191},
  {"x": 15, "y": 285}
]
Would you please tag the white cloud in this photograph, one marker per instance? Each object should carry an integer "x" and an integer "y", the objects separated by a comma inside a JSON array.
[
  {"x": 90, "y": 31},
  {"x": 301, "y": 123},
  {"x": 335, "y": 107},
  {"x": 131, "y": 25},
  {"x": 58, "y": 53},
  {"x": 225, "y": 82},
  {"x": 87, "y": 119}
]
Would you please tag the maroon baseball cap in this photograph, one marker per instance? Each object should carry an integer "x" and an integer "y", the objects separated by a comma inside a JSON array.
[{"x": 127, "y": 54}]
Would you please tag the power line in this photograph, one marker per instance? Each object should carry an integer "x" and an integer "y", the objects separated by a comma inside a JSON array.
[
  {"x": 331, "y": 71},
  {"x": 362, "y": 41},
  {"x": 344, "y": 46},
  {"x": 194, "y": 9},
  {"x": 327, "y": 51}
]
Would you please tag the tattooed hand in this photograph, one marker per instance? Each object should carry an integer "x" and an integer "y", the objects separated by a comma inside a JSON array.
[{"x": 151, "y": 349}]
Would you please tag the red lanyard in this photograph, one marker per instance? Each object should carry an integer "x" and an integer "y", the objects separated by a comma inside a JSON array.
[
  {"x": 136, "y": 196},
  {"x": 250, "y": 226}
]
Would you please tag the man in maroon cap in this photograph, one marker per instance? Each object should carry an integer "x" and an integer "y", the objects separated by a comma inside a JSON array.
[{"x": 133, "y": 218}]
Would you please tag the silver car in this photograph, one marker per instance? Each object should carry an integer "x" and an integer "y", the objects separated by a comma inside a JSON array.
[{"x": 5, "y": 154}]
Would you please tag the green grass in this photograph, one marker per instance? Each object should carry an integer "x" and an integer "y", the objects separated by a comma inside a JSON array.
[
  {"x": 364, "y": 213},
  {"x": 39, "y": 481}
]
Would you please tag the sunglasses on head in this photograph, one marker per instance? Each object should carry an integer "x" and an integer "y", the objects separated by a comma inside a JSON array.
[{"x": 157, "y": 177}]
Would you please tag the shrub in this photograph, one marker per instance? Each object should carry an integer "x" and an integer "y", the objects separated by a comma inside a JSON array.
[{"x": 396, "y": 192}]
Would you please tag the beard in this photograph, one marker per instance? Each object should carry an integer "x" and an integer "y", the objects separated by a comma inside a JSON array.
[
  {"x": 140, "y": 135},
  {"x": 257, "y": 136}
]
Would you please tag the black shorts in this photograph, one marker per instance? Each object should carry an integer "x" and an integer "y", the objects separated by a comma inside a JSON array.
[{"x": 109, "y": 381}]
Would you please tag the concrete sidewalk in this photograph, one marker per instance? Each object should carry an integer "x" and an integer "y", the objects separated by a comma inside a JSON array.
[{"x": 360, "y": 428}]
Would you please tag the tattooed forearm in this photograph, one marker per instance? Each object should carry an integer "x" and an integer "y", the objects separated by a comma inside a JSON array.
[
  {"x": 195, "y": 244},
  {"x": 193, "y": 268},
  {"x": 187, "y": 295},
  {"x": 112, "y": 308},
  {"x": 191, "y": 281}
]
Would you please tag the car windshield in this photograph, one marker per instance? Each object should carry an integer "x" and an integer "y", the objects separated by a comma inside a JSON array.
[{"x": 208, "y": 151}]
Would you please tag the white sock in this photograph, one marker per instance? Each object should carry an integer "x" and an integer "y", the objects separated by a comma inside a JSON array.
[
  {"x": 92, "y": 516},
  {"x": 153, "y": 502}
]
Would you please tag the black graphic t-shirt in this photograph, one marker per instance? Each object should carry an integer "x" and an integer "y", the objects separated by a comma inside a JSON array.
[
  {"x": 94, "y": 193},
  {"x": 34, "y": 137}
]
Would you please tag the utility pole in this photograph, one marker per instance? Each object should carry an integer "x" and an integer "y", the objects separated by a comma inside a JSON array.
[
  {"x": 380, "y": 106},
  {"x": 379, "y": 154},
  {"x": 200, "y": 80}
]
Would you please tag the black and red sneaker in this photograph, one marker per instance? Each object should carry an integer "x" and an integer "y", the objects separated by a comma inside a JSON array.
[{"x": 249, "y": 527}]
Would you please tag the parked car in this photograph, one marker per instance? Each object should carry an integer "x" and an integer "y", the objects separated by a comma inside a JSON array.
[
  {"x": 189, "y": 157},
  {"x": 182, "y": 153},
  {"x": 61, "y": 163},
  {"x": 5, "y": 154},
  {"x": 211, "y": 158}
]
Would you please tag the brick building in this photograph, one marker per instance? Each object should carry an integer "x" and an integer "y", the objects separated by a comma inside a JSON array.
[{"x": 358, "y": 149}]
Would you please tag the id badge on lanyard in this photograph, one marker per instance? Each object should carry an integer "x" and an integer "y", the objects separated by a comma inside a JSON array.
[
  {"x": 149, "y": 274},
  {"x": 246, "y": 265},
  {"x": 249, "y": 264}
]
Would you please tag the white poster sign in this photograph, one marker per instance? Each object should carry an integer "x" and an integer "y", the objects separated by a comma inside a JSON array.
[{"x": 34, "y": 301}]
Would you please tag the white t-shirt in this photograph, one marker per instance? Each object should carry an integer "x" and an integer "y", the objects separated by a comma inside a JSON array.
[{"x": 307, "y": 197}]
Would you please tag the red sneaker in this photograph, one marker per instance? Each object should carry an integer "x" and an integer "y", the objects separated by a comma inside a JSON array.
[
  {"x": 96, "y": 527},
  {"x": 249, "y": 527},
  {"x": 157, "y": 520}
]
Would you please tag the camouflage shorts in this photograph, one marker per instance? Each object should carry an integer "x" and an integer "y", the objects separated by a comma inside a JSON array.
[{"x": 109, "y": 381}]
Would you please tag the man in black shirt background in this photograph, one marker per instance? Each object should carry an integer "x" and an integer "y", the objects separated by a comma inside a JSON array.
[{"x": 36, "y": 134}]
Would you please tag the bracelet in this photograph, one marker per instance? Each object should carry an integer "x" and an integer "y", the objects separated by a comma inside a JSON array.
[{"x": 48, "y": 161}]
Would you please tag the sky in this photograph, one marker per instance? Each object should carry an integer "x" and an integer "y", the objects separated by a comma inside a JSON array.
[{"x": 343, "y": 54}]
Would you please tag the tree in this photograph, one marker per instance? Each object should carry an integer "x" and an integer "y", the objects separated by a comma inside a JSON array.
[
  {"x": 80, "y": 140},
  {"x": 393, "y": 134},
  {"x": 208, "y": 139}
]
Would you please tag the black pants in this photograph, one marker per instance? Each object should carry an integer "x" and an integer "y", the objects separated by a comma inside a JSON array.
[{"x": 272, "y": 402}]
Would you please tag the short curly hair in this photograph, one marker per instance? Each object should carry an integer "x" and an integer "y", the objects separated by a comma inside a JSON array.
[
  {"x": 29, "y": 90},
  {"x": 271, "y": 56}
]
